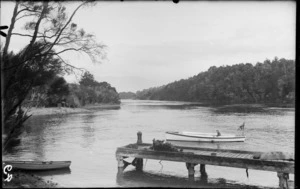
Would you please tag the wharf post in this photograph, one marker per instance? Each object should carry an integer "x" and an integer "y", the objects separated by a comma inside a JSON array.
[
  {"x": 283, "y": 180},
  {"x": 191, "y": 170},
  {"x": 202, "y": 170},
  {"x": 139, "y": 161}
]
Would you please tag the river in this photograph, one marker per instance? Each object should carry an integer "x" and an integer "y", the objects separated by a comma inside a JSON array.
[{"x": 90, "y": 140}]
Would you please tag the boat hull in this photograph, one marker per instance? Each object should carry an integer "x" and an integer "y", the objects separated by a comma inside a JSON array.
[
  {"x": 38, "y": 165},
  {"x": 202, "y": 137}
]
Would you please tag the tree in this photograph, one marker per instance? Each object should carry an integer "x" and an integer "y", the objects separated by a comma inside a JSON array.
[
  {"x": 51, "y": 33},
  {"x": 87, "y": 80},
  {"x": 268, "y": 82},
  {"x": 58, "y": 90},
  {"x": 93, "y": 91},
  {"x": 18, "y": 84}
]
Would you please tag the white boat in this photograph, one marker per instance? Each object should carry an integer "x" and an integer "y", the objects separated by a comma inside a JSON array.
[
  {"x": 38, "y": 165},
  {"x": 203, "y": 137}
]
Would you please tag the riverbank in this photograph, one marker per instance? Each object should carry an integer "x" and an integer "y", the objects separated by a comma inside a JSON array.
[
  {"x": 28, "y": 180},
  {"x": 67, "y": 110},
  {"x": 55, "y": 110}
]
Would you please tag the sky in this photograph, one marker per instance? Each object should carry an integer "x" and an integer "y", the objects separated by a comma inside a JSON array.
[{"x": 150, "y": 44}]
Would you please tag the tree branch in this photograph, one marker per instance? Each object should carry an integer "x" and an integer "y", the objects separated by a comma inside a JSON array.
[
  {"x": 81, "y": 69},
  {"x": 68, "y": 22},
  {"x": 25, "y": 15},
  {"x": 69, "y": 49},
  {"x": 36, "y": 29},
  {"x": 12, "y": 24},
  {"x": 27, "y": 35}
]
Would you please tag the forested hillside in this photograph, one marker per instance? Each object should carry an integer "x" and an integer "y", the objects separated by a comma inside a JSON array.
[
  {"x": 267, "y": 82},
  {"x": 127, "y": 95}
]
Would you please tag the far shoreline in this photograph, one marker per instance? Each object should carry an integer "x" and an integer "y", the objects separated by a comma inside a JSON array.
[
  {"x": 36, "y": 111},
  {"x": 215, "y": 104}
]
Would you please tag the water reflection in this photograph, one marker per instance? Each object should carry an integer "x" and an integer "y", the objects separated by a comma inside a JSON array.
[
  {"x": 246, "y": 109},
  {"x": 174, "y": 106},
  {"x": 90, "y": 139},
  {"x": 135, "y": 178},
  {"x": 40, "y": 131},
  {"x": 64, "y": 171},
  {"x": 11, "y": 147},
  {"x": 88, "y": 128}
]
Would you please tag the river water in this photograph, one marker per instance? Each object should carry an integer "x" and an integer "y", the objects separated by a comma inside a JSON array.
[{"x": 90, "y": 140}]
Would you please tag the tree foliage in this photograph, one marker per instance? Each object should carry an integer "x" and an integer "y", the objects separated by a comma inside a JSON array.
[
  {"x": 87, "y": 80},
  {"x": 127, "y": 95},
  {"x": 58, "y": 91},
  {"x": 267, "y": 82},
  {"x": 91, "y": 91},
  {"x": 28, "y": 72}
]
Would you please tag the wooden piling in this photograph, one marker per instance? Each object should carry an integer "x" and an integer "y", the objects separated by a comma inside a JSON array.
[
  {"x": 120, "y": 161},
  {"x": 283, "y": 180},
  {"x": 191, "y": 170},
  {"x": 139, "y": 164},
  {"x": 202, "y": 169},
  {"x": 139, "y": 161}
]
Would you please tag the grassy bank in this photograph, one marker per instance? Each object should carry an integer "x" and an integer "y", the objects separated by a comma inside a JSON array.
[
  {"x": 56, "y": 110},
  {"x": 66, "y": 110},
  {"x": 27, "y": 180}
]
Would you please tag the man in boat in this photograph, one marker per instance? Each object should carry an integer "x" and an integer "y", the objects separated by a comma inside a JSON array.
[
  {"x": 218, "y": 133},
  {"x": 242, "y": 128}
]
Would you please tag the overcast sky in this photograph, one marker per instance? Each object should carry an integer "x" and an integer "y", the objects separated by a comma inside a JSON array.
[{"x": 154, "y": 43}]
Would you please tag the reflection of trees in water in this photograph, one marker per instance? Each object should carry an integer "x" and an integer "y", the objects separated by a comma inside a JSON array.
[
  {"x": 40, "y": 131},
  {"x": 88, "y": 130},
  {"x": 172, "y": 106},
  {"x": 246, "y": 108}
]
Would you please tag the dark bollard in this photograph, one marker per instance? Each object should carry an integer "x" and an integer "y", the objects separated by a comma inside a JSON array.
[{"x": 139, "y": 161}]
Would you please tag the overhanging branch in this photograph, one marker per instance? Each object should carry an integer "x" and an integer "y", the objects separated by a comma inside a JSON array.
[{"x": 27, "y": 35}]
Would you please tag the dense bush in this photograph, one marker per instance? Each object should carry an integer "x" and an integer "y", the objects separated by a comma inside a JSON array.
[
  {"x": 90, "y": 91},
  {"x": 267, "y": 82}
]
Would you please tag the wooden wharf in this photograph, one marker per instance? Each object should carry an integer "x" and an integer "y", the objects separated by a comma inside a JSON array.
[{"x": 204, "y": 156}]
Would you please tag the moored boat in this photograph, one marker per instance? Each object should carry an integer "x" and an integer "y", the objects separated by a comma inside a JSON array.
[
  {"x": 203, "y": 137},
  {"x": 38, "y": 165}
]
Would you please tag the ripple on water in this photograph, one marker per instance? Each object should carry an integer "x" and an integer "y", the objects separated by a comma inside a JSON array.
[{"x": 89, "y": 140}]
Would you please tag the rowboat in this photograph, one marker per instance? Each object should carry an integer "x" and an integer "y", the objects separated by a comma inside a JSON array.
[
  {"x": 203, "y": 137},
  {"x": 38, "y": 165}
]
